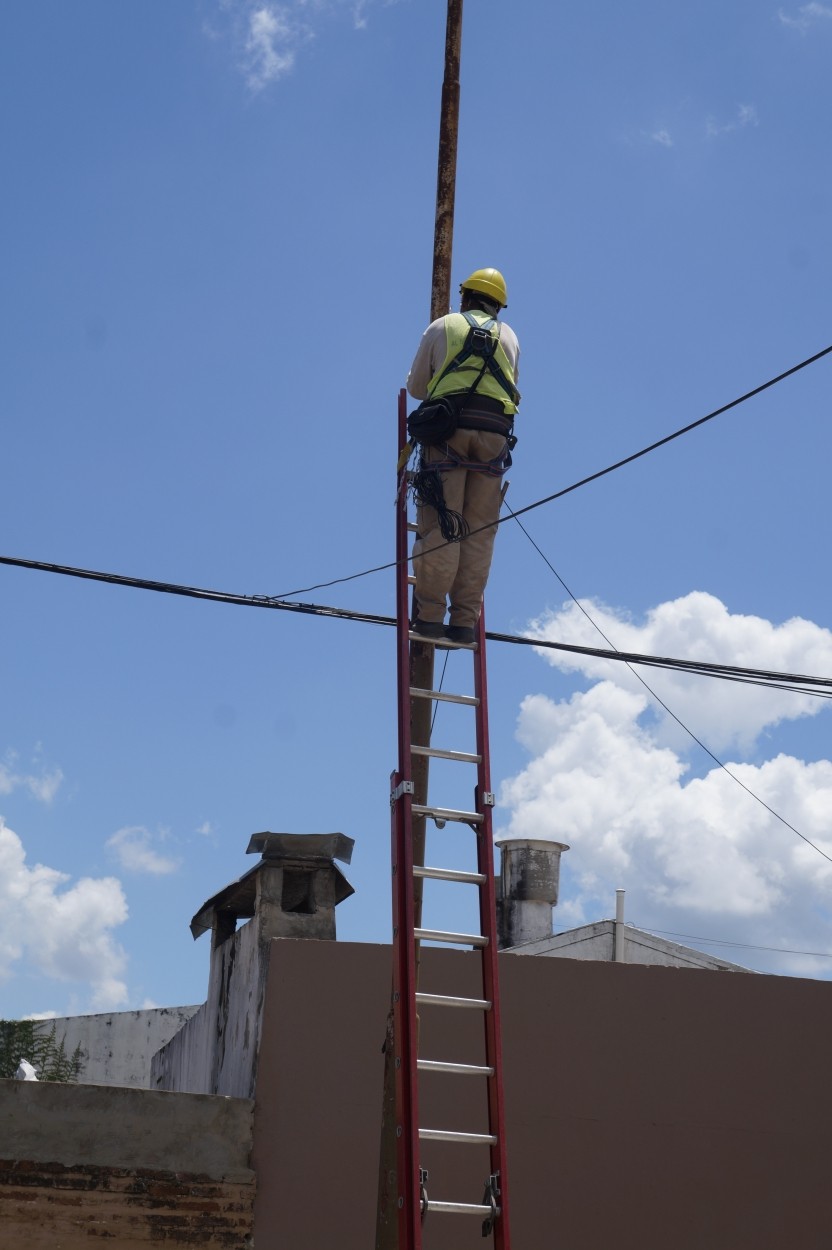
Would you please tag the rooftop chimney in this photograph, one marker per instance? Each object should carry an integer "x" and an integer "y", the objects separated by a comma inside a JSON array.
[
  {"x": 527, "y": 889},
  {"x": 292, "y": 892}
]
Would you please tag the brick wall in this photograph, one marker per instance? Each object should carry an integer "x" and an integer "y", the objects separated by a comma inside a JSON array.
[{"x": 90, "y": 1165}]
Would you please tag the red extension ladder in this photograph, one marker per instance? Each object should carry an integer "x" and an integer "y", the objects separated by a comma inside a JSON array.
[{"x": 409, "y": 997}]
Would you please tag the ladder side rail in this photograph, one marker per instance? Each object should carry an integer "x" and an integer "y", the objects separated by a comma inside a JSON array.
[
  {"x": 404, "y": 958},
  {"x": 488, "y": 925}
]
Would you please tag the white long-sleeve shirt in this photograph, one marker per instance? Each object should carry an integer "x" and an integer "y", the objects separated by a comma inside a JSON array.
[{"x": 434, "y": 348}]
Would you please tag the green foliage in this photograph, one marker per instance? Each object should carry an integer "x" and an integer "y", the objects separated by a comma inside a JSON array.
[{"x": 25, "y": 1039}]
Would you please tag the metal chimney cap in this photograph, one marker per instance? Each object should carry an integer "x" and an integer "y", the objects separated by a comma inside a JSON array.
[
  {"x": 301, "y": 846},
  {"x": 531, "y": 844}
]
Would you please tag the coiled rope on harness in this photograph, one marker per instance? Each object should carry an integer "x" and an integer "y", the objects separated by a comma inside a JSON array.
[{"x": 428, "y": 491}]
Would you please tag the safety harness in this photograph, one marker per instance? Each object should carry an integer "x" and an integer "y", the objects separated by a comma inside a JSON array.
[
  {"x": 426, "y": 482},
  {"x": 480, "y": 342}
]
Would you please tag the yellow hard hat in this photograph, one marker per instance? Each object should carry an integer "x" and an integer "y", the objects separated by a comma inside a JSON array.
[{"x": 488, "y": 282}]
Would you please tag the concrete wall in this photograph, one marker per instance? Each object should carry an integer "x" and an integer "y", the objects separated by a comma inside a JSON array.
[
  {"x": 81, "y": 1165},
  {"x": 116, "y": 1048},
  {"x": 648, "y": 1107},
  {"x": 216, "y": 1051}
]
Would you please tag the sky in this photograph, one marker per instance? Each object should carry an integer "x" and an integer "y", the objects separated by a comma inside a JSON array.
[{"x": 218, "y": 224}]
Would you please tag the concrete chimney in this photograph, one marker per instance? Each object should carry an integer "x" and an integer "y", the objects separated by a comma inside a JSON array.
[
  {"x": 527, "y": 889},
  {"x": 292, "y": 892}
]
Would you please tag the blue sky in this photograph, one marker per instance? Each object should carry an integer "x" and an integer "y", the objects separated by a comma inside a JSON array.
[{"x": 218, "y": 221}]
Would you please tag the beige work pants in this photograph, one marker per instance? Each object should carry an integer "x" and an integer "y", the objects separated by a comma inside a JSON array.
[{"x": 458, "y": 571}]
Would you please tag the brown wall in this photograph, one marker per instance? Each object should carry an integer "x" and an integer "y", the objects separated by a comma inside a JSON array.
[{"x": 659, "y": 1108}]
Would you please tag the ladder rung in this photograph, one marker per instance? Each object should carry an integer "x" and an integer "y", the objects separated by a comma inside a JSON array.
[
  {"x": 458, "y": 1208},
  {"x": 455, "y": 1069},
  {"x": 446, "y": 813},
  {"x": 457, "y": 939},
  {"x": 439, "y": 753},
  {"x": 444, "y": 643},
  {"x": 449, "y": 1000},
  {"x": 469, "y": 700},
  {"x": 412, "y": 527},
  {"x": 411, "y": 580},
  {"x": 450, "y": 874},
  {"x": 467, "y": 1139}
]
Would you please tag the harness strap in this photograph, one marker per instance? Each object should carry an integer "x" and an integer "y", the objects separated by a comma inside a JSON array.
[
  {"x": 484, "y": 352},
  {"x": 495, "y": 467}
]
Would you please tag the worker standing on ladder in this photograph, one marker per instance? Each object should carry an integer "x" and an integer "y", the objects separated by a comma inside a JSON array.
[{"x": 466, "y": 370}]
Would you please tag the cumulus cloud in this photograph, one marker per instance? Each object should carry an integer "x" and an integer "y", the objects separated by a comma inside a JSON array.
[
  {"x": 698, "y": 626},
  {"x": 662, "y": 137},
  {"x": 695, "y": 853},
  {"x": 60, "y": 930},
  {"x": 42, "y": 785},
  {"x": 133, "y": 848},
  {"x": 805, "y": 17}
]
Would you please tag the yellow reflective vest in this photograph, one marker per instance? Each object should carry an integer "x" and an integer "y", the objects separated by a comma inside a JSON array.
[{"x": 459, "y": 372}]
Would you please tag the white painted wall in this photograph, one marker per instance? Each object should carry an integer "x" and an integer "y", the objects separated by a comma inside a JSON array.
[{"x": 116, "y": 1048}]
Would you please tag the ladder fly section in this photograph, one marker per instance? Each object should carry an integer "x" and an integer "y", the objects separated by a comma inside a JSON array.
[{"x": 416, "y": 1200}]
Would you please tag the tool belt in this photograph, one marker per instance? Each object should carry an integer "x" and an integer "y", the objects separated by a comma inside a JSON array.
[{"x": 436, "y": 421}]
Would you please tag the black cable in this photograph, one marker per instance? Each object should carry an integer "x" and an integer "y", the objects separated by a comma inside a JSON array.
[
  {"x": 750, "y": 946},
  {"x": 662, "y": 703},
  {"x": 816, "y": 687},
  {"x": 593, "y": 477}
]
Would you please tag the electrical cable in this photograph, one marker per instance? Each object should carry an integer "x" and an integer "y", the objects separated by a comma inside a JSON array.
[
  {"x": 662, "y": 703},
  {"x": 816, "y": 687},
  {"x": 750, "y": 946},
  {"x": 593, "y": 477}
]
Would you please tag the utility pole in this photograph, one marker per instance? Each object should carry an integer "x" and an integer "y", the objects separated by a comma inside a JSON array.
[{"x": 422, "y": 654}]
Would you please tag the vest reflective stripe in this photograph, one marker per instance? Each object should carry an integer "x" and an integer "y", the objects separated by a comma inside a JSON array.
[{"x": 462, "y": 379}]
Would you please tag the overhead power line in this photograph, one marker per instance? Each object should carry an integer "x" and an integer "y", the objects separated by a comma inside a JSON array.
[
  {"x": 795, "y": 683},
  {"x": 720, "y": 763},
  {"x": 749, "y": 946},
  {"x": 584, "y": 481}
]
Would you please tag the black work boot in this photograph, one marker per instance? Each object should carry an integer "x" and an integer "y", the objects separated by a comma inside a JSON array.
[
  {"x": 461, "y": 633},
  {"x": 428, "y": 629}
]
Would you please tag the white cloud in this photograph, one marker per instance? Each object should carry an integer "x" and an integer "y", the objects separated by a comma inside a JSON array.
[
  {"x": 133, "y": 848},
  {"x": 662, "y": 137},
  {"x": 698, "y": 626},
  {"x": 206, "y": 829},
  {"x": 58, "y": 930},
  {"x": 695, "y": 854},
  {"x": 807, "y": 15},
  {"x": 746, "y": 115},
  {"x": 266, "y": 37},
  {"x": 42, "y": 786},
  {"x": 269, "y": 50}
]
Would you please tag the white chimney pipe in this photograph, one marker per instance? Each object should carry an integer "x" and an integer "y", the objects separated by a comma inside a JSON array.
[
  {"x": 527, "y": 889},
  {"x": 620, "y": 944}
]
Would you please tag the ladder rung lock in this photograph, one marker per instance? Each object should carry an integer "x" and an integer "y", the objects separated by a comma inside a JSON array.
[
  {"x": 448, "y": 1000},
  {"x": 455, "y": 939},
  {"x": 446, "y": 813},
  {"x": 466, "y": 1139},
  {"x": 458, "y": 1208},
  {"x": 454, "y": 1069},
  {"x": 439, "y": 753},
  {"x": 469, "y": 700},
  {"x": 450, "y": 874}
]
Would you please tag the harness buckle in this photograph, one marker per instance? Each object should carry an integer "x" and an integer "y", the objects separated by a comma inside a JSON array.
[{"x": 481, "y": 342}]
